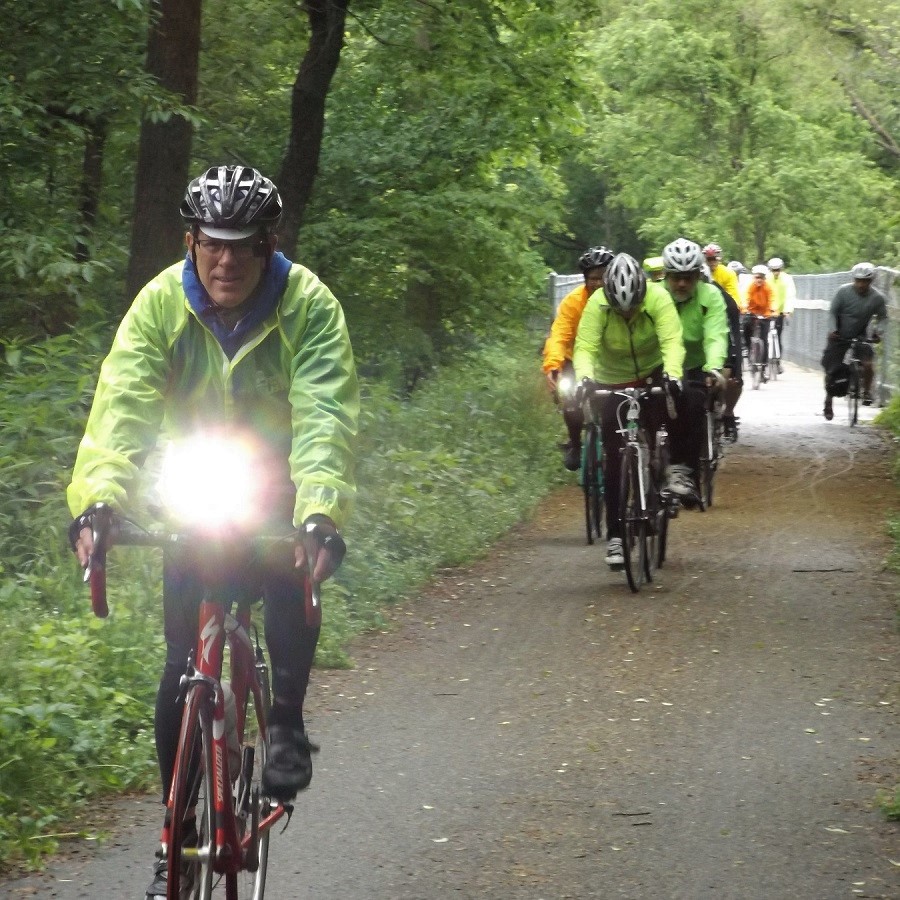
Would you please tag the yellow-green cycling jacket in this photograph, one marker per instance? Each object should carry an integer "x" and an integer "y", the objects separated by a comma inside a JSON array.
[
  {"x": 291, "y": 382},
  {"x": 704, "y": 322},
  {"x": 611, "y": 350}
]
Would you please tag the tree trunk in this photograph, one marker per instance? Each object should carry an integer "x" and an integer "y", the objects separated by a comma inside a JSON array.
[
  {"x": 301, "y": 160},
  {"x": 173, "y": 52},
  {"x": 91, "y": 183}
]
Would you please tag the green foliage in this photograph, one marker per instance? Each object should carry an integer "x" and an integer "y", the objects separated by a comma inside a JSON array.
[{"x": 727, "y": 124}]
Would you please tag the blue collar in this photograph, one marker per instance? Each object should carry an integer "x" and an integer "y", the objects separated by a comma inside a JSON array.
[{"x": 260, "y": 305}]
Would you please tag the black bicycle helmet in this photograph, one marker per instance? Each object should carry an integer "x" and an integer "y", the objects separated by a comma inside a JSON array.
[
  {"x": 231, "y": 202},
  {"x": 624, "y": 283},
  {"x": 594, "y": 258}
]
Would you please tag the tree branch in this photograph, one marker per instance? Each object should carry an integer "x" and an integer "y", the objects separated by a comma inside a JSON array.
[{"x": 886, "y": 139}]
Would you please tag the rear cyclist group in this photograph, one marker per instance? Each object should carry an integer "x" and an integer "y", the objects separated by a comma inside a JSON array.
[{"x": 636, "y": 331}]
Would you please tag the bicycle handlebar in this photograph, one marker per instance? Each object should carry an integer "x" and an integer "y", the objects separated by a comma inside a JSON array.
[{"x": 109, "y": 529}]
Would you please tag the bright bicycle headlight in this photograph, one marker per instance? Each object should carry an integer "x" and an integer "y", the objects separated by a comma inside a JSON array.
[
  {"x": 212, "y": 483},
  {"x": 566, "y": 387}
]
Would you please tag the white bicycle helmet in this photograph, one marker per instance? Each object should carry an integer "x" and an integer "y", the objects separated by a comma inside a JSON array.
[
  {"x": 864, "y": 271},
  {"x": 712, "y": 251},
  {"x": 759, "y": 270},
  {"x": 776, "y": 262},
  {"x": 624, "y": 283},
  {"x": 682, "y": 255}
]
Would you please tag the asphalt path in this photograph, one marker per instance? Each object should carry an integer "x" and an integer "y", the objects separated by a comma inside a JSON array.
[{"x": 529, "y": 728}]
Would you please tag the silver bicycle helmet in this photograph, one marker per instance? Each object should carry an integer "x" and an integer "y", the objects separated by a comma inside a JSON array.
[
  {"x": 682, "y": 255},
  {"x": 776, "y": 262},
  {"x": 759, "y": 269},
  {"x": 624, "y": 283},
  {"x": 864, "y": 271},
  {"x": 231, "y": 202}
]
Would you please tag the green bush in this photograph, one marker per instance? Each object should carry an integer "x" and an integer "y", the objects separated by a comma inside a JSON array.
[{"x": 441, "y": 475}]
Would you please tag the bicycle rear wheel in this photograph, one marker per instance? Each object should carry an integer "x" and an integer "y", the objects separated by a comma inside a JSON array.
[
  {"x": 634, "y": 525},
  {"x": 592, "y": 483},
  {"x": 248, "y": 797},
  {"x": 191, "y": 831}
]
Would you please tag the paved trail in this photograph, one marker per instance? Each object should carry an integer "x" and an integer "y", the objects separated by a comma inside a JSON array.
[{"x": 531, "y": 729}]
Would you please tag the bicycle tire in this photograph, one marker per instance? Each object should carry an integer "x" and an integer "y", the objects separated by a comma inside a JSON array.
[
  {"x": 773, "y": 369},
  {"x": 592, "y": 484},
  {"x": 755, "y": 359},
  {"x": 192, "y": 789},
  {"x": 662, "y": 510},
  {"x": 248, "y": 790},
  {"x": 706, "y": 472},
  {"x": 853, "y": 397},
  {"x": 633, "y": 523}
]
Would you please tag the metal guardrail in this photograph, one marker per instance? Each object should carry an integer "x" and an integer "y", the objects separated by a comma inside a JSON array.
[{"x": 804, "y": 338}]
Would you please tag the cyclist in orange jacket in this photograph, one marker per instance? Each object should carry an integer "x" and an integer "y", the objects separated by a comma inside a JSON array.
[
  {"x": 560, "y": 344},
  {"x": 758, "y": 301}
]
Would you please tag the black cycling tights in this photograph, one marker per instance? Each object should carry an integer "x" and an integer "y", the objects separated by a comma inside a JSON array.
[{"x": 291, "y": 644}]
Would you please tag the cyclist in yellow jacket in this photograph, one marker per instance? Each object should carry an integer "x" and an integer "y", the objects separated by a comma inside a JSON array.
[
  {"x": 629, "y": 334},
  {"x": 234, "y": 337},
  {"x": 721, "y": 274},
  {"x": 784, "y": 293},
  {"x": 560, "y": 343}
]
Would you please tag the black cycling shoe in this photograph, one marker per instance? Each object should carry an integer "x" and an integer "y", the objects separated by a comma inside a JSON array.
[
  {"x": 572, "y": 459},
  {"x": 866, "y": 398},
  {"x": 730, "y": 428},
  {"x": 156, "y": 890},
  {"x": 288, "y": 768}
]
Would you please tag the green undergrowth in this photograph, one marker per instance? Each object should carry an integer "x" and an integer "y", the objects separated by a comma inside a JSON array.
[
  {"x": 889, "y": 800},
  {"x": 441, "y": 475}
]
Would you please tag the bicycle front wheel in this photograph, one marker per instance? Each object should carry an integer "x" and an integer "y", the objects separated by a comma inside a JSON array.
[
  {"x": 634, "y": 524},
  {"x": 756, "y": 364},
  {"x": 853, "y": 397},
  {"x": 249, "y": 801},
  {"x": 191, "y": 828},
  {"x": 773, "y": 368}
]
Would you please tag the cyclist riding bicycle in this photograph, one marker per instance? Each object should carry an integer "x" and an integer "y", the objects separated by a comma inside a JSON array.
[
  {"x": 704, "y": 323},
  {"x": 852, "y": 308},
  {"x": 629, "y": 334},
  {"x": 758, "y": 301},
  {"x": 235, "y": 337},
  {"x": 561, "y": 342},
  {"x": 784, "y": 294},
  {"x": 733, "y": 368},
  {"x": 721, "y": 274}
]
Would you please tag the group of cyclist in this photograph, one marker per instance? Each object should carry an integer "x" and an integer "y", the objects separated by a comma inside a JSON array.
[
  {"x": 680, "y": 320},
  {"x": 640, "y": 330}
]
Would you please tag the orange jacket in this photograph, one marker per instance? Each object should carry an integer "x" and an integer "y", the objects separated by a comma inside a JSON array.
[
  {"x": 561, "y": 341},
  {"x": 758, "y": 300}
]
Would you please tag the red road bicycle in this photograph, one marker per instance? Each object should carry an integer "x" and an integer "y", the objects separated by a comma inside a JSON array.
[{"x": 233, "y": 817}]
